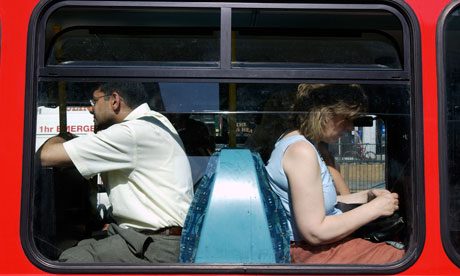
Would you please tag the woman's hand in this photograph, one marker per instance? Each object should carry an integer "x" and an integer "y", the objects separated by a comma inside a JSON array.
[
  {"x": 385, "y": 204},
  {"x": 371, "y": 194}
]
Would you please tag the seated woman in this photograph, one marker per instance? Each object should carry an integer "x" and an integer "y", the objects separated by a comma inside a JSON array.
[{"x": 298, "y": 174}]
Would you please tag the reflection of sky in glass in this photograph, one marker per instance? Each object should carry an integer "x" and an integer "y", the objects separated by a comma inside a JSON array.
[{"x": 185, "y": 97}]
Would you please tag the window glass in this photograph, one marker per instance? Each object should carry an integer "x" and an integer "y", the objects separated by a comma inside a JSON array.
[
  {"x": 316, "y": 39},
  {"x": 134, "y": 37},
  {"x": 209, "y": 117},
  {"x": 452, "y": 116}
]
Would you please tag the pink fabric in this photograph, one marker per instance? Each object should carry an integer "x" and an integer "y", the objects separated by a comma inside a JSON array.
[{"x": 347, "y": 251}]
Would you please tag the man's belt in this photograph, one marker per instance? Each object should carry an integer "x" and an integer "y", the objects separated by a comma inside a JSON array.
[{"x": 168, "y": 231}]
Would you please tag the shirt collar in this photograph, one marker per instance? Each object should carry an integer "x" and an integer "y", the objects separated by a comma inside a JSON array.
[{"x": 138, "y": 112}]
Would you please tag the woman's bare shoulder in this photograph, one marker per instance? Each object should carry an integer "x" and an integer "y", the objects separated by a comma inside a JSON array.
[
  {"x": 299, "y": 152},
  {"x": 301, "y": 147}
]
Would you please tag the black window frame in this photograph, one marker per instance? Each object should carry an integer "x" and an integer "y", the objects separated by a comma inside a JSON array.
[
  {"x": 410, "y": 74},
  {"x": 444, "y": 199}
]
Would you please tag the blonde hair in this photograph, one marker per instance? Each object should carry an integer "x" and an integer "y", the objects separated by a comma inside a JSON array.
[{"x": 316, "y": 104}]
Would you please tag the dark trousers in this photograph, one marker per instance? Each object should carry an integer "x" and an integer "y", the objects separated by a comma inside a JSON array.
[{"x": 125, "y": 246}]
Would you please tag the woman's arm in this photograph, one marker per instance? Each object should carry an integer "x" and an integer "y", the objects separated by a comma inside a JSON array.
[
  {"x": 362, "y": 197},
  {"x": 300, "y": 164}
]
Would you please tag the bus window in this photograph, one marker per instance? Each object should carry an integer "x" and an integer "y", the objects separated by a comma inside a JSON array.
[
  {"x": 226, "y": 75},
  {"x": 156, "y": 37},
  {"x": 260, "y": 42},
  {"x": 360, "y": 155},
  {"x": 449, "y": 105}
]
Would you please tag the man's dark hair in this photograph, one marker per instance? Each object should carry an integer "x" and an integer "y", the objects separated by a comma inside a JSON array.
[{"x": 133, "y": 93}]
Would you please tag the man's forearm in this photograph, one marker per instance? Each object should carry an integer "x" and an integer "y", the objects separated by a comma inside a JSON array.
[{"x": 53, "y": 153}]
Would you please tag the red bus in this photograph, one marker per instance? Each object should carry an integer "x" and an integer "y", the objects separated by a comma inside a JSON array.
[{"x": 232, "y": 68}]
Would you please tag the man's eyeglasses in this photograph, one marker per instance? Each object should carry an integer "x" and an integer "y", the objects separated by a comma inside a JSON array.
[{"x": 93, "y": 101}]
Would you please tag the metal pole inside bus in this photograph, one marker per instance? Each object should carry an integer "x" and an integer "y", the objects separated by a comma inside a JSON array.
[{"x": 61, "y": 88}]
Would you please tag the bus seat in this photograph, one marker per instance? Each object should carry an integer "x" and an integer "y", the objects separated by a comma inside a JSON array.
[{"x": 235, "y": 217}]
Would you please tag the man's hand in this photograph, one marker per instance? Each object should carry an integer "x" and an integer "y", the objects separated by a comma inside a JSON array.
[{"x": 67, "y": 136}]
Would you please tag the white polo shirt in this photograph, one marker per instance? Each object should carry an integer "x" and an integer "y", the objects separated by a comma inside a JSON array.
[{"x": 145, "y": 172}]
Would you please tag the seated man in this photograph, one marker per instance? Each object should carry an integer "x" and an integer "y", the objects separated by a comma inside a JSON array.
[{"x": 144, "y": 170}]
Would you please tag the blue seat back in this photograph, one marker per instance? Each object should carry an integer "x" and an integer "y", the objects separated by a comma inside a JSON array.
[{"x": 235, "y": 217}]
